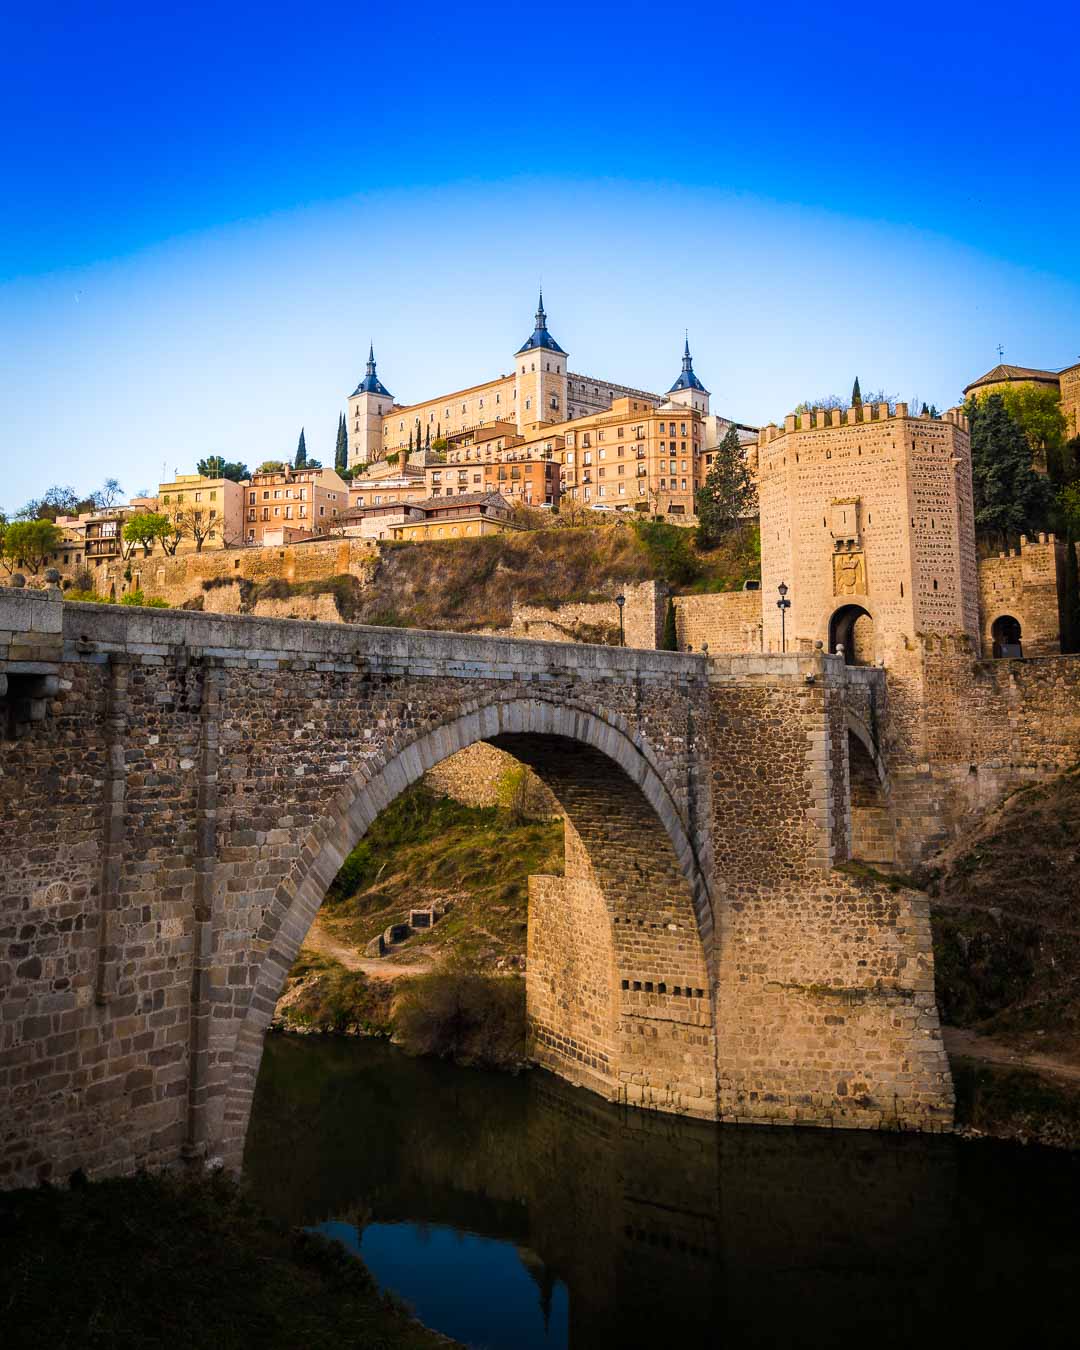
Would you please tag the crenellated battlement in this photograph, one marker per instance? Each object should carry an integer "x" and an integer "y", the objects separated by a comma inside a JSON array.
[{"x": 826, "y": 419}]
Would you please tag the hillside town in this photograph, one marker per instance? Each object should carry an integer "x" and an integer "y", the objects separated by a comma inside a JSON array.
[{"x": 546, "y": 448}]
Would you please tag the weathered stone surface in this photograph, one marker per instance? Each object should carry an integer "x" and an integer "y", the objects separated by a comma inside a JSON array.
[{"x": 170, "y": 828}]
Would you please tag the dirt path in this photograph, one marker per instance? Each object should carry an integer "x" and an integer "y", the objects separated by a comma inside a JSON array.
[
  {"x": 973, "y": 1046},
  {"x": 323, "y": 942}
]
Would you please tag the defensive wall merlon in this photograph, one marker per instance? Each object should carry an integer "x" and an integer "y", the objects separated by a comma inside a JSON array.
[{"x": 820, "y": 419}]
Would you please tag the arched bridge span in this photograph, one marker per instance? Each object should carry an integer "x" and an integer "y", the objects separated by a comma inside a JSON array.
[{"x": 180, "y": 789}]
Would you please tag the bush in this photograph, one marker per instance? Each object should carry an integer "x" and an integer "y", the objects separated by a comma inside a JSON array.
[
  {"x": 670, "y": 550},
  {"x": 341, "y": 999},
  {"x": 472, "y": 1019},
  {"x": 87, "y": 597},
  {"x": 137, "y": 598}
]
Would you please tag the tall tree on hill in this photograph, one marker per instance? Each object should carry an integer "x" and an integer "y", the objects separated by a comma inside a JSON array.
[
  {"x": 727, "y": 494},
  {"x": 300, "y": 462},
  {"x": 341, "y": 449},
  {"x": 1010, "y": 497},
  {"x": 856, "y": 394},
  {"x": 427, "y": 437},
  {"x": 410, "y": 440}
]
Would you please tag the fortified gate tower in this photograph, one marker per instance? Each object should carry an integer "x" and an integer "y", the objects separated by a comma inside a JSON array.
[{"x": 867, "y": 517}]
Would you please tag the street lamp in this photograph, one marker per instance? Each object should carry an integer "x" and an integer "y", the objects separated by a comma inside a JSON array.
[
  {"x": 783, "y": 605},
  {"x": 620, "y": 600}
]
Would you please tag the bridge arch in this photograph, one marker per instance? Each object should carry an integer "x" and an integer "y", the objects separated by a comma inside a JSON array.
[{"x": 647, "y": 1036}]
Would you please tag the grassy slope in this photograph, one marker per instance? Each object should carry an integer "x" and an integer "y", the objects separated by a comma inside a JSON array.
[
  {"x": 172, "y": 1261},
  {"x": 1005, "y": 909},
  {"x": 423, "y": 848},
  {"x": 465, "y": 584},
  {"x": 1006, "y": 913}
]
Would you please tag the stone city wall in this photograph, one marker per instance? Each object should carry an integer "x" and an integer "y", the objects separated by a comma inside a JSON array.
[
  {"x": 1025, "y": 584},
  {"x": 729, "y": 621},
  {"x": 182, "y": 578}
]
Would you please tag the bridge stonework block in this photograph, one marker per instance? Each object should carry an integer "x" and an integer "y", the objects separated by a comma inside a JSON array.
[{"x": 169, "y": 829}]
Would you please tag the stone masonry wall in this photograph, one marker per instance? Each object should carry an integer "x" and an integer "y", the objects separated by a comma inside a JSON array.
[
  {"x": 1025, "y": 584},
  {"x": 828, "y": 1010},
  {"x": 729, "y": 621}
]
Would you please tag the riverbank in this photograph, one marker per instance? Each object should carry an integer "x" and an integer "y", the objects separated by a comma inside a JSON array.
[{"x": 178, "y": 1260}]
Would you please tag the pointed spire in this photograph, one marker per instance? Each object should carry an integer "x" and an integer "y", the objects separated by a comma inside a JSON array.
[
  {"x": 687, "y": 379},
  {"x": 540, "y": 335},
  {"x": 370, "y": 384}
]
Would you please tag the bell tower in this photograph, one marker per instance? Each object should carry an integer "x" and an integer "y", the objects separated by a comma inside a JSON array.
[
  {"x": 540, "y": 377},
  {"x": 369, "y": 403}
]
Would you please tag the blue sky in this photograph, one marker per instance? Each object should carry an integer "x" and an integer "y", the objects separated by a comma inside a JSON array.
[{"x": 209, "y": 213}]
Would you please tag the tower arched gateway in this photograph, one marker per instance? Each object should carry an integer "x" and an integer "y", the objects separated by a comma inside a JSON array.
[
  {"x": 851, "y": 630},
  {"x": 619, "y": 994}
]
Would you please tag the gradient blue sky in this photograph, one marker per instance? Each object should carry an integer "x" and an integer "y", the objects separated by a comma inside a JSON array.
[{"x": 208, "y": 213}]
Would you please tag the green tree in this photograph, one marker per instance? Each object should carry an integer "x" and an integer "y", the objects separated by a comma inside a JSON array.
[
  {"x": 727, "y": 494},
  {"x": 30, "y": 543},
  {"x": 217, "y": 466},
  {"x": 1036, "y": 409},
  {"x": 1010, "y": 497},
  {"x": 1070, "y": 600},
  {"x": 669, "y": 642},
  {"x": 300, "y": 462},
  {"x": 143, "y": 530},
  {"x": 271, "y": 466},
  {"x": 410, "y": 440},
  {"x": 856, "y": 394},
  {"x": 341, "y": 449}
]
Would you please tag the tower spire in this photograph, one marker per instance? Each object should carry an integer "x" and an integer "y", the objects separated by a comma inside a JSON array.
[{"x": 541, "y": 317}]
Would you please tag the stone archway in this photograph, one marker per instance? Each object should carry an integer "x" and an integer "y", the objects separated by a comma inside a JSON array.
[
  {"x": 852, "y": 628},
  {"x": 620, "y": 994},
  {"x": 873, "y": 830},
  {"x": 1006, "y": 636}
]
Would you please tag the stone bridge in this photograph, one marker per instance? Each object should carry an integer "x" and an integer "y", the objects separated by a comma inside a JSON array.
[{"x": 178, "y": 790}]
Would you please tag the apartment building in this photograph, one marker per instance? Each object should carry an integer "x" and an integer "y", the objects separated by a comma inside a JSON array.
[
  {"x": 208, "y": 511},
  {"x": 285, "y": 504}
]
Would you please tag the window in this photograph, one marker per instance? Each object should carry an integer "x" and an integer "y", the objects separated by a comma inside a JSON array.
[
  {"x": 266, "y": 513},
  {"x": 682, "y": 428},
  {"x": 198, "y": 496},
  {"x": 587, "y": 457},
  {"x": 251, "y": 498}
]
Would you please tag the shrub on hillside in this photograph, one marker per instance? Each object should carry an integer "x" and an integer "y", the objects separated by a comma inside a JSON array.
[
  {"x": 137, "y": 598},
  {"x": 472, "y": 1019}
]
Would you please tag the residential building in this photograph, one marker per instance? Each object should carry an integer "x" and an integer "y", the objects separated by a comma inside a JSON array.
[
  {"x": 458, "y": 518},
  {"x": 287, "y": 503},
  {"x": 209, "y": 511}
]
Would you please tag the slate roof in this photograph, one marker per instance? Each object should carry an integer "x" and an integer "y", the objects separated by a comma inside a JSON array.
[
  {"x": 541, "y": 339},
  {"x": 687, "y": 379},
  {"x": 371, "y": 384}
]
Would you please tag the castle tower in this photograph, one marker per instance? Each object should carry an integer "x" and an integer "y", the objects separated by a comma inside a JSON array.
[
  {"x": 369, "y": 403},
  {"x": 867, "y": 516},
  {"x": 540, "y": 377},
  {"x": 688, "y": 389}
]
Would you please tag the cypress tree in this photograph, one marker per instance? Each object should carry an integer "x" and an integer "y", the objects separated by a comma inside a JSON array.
[
  {"x": 301, "y": 452},
  {"x": 427, "y": 437},
  {"x": 670, "y": 640},
  {"x": 856, "y": 394},
  {"x": 341, "y": 450},
  {"x": 410, "y": 440},
  {"x": 1070, "y": 600}
]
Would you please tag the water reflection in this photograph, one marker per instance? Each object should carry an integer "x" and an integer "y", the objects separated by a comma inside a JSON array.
[{"x": 654, "y": 1230}]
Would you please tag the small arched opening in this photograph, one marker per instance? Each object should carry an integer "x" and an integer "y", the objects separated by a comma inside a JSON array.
[
  {"x": 873, "y": 836},
  {"x": 1005, "y": 635},
  {"x": 851, "y": 633}
]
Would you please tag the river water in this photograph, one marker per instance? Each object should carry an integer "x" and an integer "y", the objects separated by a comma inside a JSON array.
[{"x": 512, "y": 1213}]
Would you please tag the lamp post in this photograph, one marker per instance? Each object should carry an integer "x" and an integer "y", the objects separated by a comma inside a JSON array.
[
  {"x": 783, "y": 605},
  {"x": 620, "y": 600}
]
